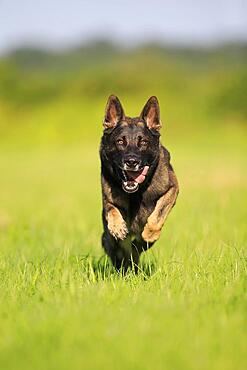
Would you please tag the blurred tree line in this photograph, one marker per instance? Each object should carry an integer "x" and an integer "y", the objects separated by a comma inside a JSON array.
[{"x": 215, "y": 79}]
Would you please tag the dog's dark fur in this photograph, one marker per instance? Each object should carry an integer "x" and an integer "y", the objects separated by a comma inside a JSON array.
[{"x": 133, "y": 221}]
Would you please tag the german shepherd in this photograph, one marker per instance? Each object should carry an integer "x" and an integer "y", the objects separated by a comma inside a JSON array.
[{"x": 139, "y": 186}]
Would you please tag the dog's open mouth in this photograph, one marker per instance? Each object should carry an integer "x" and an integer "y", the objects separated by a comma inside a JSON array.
[{"x": 132, "y": 179}]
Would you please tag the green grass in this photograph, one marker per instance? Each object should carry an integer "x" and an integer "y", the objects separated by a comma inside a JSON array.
[{"x": 63, "y": 306}]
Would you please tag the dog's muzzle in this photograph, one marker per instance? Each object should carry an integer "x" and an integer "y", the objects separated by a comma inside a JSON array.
[{"x": 132, "y": 179}]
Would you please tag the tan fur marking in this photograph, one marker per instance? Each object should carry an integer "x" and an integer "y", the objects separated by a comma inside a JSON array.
[
  {"x": 156, "y": 220},
  {"x": 124, "y": 124},
  {"x": 140, "y": 124},
  {"x": 116, "y": 224}
]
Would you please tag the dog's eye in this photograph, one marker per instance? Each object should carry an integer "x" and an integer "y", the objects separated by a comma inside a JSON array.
[
  {"x": 144, "y": 142},
  {"x": 120, "y": 141}
]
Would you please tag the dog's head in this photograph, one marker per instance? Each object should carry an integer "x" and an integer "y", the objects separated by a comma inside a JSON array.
[{"x": 131, "y": 145}]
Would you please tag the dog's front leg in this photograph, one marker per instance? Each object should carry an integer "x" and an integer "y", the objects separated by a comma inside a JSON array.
[
  {"x": 156, "y": 220},
  {"x": 115, "y": 222}
]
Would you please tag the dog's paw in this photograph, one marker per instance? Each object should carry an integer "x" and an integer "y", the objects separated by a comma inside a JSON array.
[
  {"x": 151, "y": 233},
  {"x": 116, "y": 225}
]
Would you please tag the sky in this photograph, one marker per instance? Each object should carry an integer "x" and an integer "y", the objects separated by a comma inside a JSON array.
[{"x": 64, "y": 23}]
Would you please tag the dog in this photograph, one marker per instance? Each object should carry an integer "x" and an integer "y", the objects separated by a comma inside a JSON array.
[{"x": 139, "y": 186}]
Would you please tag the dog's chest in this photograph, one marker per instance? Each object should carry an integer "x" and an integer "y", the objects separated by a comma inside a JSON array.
[{"x": 137, "y": 215}]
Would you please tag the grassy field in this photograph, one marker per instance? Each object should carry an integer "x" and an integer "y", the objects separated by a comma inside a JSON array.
[{"x": 61, "y": 304}]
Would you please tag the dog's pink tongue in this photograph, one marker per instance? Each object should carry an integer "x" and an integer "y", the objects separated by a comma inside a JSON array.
[{"x": 141, "y": 176}]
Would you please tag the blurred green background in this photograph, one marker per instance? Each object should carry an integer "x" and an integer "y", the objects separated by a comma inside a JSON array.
[{"x": 60, "y": 96}]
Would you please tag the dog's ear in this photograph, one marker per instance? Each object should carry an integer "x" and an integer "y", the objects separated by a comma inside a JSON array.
[
  {"x": 114, "y": 112},
  {"x": 151, "y": 114}
]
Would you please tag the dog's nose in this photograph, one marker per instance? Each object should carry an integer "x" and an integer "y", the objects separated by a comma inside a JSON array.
[{"x": 131, "y": 162}]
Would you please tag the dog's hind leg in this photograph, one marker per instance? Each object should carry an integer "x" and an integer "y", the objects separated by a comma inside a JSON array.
[{"x": 119, "y": 251}]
